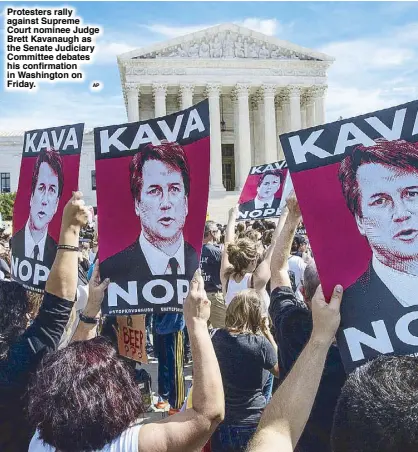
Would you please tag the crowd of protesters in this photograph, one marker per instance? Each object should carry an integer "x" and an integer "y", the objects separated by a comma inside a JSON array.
[{"x": 267, "y": 373}]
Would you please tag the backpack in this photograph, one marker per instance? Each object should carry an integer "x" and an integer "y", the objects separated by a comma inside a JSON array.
[{"x": 143, "y": 378}]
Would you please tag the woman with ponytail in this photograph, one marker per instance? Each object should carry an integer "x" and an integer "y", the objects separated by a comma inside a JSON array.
[{"x": 239, "y": 269}]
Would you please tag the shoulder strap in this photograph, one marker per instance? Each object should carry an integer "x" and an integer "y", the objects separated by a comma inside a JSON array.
[{"x": 212, "y": 332}]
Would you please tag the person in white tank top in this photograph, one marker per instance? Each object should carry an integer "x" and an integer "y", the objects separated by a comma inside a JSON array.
[
  {"x": 239, "y": 270},
  {"x": 84, "y": 397},
  {"x": 128, "y": 441}
]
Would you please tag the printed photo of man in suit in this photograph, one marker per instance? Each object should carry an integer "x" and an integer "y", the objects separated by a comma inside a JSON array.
[
  {"x": 380, "y": 187},
  {"x": 33, "y": 241},
  {"x": 268, "y": 185},
  {"x": 160, "y": 185}
]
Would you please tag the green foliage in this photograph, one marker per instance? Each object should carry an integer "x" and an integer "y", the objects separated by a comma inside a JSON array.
[{"x": 7, "y": 201}]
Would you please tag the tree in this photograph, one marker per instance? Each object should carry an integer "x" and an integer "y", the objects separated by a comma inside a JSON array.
[{"x": 7, "y": 201}]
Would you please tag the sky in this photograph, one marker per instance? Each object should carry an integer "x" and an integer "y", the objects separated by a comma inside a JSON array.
[{"x": 375, "y": 46}]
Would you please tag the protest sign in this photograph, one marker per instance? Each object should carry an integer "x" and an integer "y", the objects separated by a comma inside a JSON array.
[
  {"x": 153, "y": 216},
  {"x": 357, "y": 185},
  {"x": 132, "y": 337},
  {"x": 262, "y": 192},
  {"x": 48, "y": 176}
]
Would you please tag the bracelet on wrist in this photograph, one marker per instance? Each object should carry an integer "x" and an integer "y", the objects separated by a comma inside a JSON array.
[
  {"x": 89, "y": 320},
  {"x": 68, "y": 248}
]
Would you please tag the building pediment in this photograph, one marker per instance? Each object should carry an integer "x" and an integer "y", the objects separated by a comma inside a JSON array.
[{"x": 227, "y": 41}]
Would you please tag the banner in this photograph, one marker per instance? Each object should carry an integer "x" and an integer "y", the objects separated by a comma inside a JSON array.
[
  {"x": 48, "y": 176},
  {"x": 132, "y": 337},
  {"x": 357, "y": 185},
  {"x": 262, "y": 192},
  {"x": 152, "y": 180}
]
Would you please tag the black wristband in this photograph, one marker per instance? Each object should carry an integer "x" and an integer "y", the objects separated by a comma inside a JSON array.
[
  {"x": 89, "y": 320},
  {"x": 68, "y": 248}
]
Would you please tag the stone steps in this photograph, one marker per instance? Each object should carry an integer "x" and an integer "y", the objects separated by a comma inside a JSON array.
[{"x": 220, "y": 203}]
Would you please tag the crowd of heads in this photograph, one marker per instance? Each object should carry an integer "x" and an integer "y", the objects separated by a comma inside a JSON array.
[{"x": 377, "y": 406}]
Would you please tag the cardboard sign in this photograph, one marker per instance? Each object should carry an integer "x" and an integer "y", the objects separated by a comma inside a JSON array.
[
  {"x": 132, "y": 337},
  {"x": 357, "y": 185},
  {"x": 153, "y": 216},
  {"x": 262, "y": 192},
  {"x": 48, "y": 176}
]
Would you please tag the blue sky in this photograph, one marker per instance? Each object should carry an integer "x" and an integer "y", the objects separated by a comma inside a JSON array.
[{"x": 375, "y": 45}]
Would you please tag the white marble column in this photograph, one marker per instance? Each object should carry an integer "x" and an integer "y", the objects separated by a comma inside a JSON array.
[
  {"x": 285, "y": 103},
  {"x": 234, "y": 100},
  {"x": 186, "y": 95},
  {"x": 242, "y": 91},
  {"x": 294, "y": 99},
  {"x": 159, "y": 90},
  {"x": 257, "y": 106},
  {"x": 132, "y": 94},
  {"x": 213, "y": 91},
  {"x": 270, "y": 134},
  {"x": 303, "y": 116},
  {"x": 310, "y": 110},
  {"x": 319, "y": 99},
  {"x": 279, "y": 125}
]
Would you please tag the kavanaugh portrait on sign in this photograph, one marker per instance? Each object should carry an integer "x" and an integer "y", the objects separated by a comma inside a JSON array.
[
  {"x": 152, "y": 220},
  {"x": 48, "y": 176},
  {"x": 357, "y": 185}
]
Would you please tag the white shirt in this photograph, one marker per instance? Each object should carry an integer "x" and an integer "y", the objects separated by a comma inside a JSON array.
[
  {"x": 157, "y": 260},
  {"x": 297, "y": 265},
  {"x": 30, "y": 244},
  {"x": 92, "y": 256},
  {"x": 258, "y": 204},
  {"x": 403, "y": 286},
  {"x": 128, "y": 441}
]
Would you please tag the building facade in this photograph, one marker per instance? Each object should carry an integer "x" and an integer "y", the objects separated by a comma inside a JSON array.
[{"x": 258, "y": 88}]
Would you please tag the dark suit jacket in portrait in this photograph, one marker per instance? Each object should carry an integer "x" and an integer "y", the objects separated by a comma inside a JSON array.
[
  {"x": 369, "y": 300},
  {"x": 249, "y": 206},
  {"x": 18, "y": 248},
  {"x": 132, "y": 265}
]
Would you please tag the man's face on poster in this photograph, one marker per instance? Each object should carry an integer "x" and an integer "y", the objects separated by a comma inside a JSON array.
[
  {"x": 268, "y": 187},
  {"x": 389, "y": 203},
  {"x": 163, "y": 206},
  {"x": 44, "y": 199}
]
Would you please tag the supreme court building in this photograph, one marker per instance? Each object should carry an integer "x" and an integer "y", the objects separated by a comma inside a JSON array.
[{"x": 258, "y": 87}]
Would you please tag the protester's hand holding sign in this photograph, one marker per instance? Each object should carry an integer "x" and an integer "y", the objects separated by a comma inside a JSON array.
[
  {"x": 197, "y": 305},
  {"x": 293, "y": 205},
  {"x": 75, "y": 214},
  {"x": 89, "y": 318},
  {"x": 233, "y": 211},
  {"x": 286, "y": 415},
  {"x": 97, "y": 290},
  {"x": 326, "y": 316}
]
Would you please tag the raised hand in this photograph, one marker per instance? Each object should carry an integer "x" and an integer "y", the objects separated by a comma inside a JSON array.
[
  {"x": 75, "y": 212},
  {"x": 326, "y": 316},
  {"x": 196, "y": 305}
]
